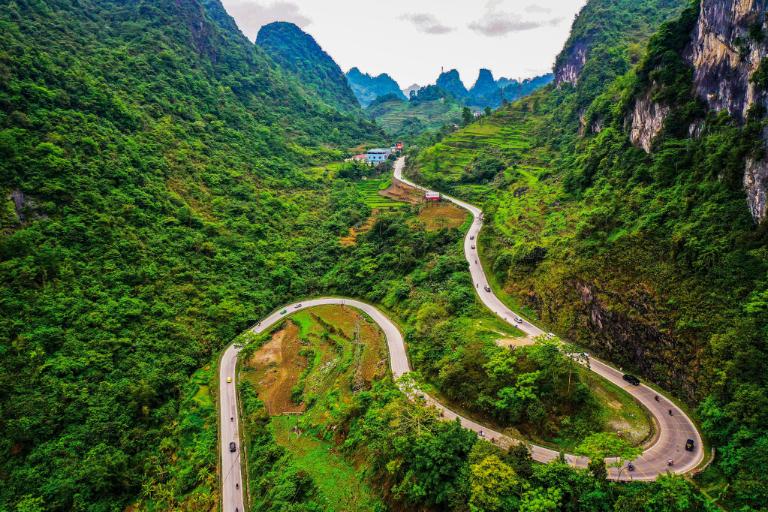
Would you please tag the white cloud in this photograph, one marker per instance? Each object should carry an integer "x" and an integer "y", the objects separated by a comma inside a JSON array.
[
  {"x": 427, "y": 23},
  {"x": 252, "y": 15},
  {"x": 537, "y": 8},
  {"x": 496, "y": 22}
]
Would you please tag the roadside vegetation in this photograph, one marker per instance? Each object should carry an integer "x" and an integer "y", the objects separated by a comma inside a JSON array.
[{"x": 651, "y": 260}]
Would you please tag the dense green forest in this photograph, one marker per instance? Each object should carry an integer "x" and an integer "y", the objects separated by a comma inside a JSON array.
[
  {"x": 651, "y": 259},
  {"x": 155, "y": 157}
]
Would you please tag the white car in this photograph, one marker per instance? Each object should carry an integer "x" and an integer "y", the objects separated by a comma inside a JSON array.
[{"x": 518, "y": 320}]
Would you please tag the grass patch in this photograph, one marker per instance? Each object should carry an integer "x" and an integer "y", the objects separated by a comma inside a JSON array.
[
  {"x": 339, "y": 482},
  {"x": 370, "y": 189}
]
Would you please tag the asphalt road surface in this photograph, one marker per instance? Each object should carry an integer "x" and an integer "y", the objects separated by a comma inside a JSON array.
[{"x": 673, "y": 430}]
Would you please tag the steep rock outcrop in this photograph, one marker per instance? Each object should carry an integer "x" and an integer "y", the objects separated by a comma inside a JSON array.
[
  {"x": 756, "y": 187},
  {"x": 647, "y": 121},
  {"x": 485, "y": 85},
  {"x": 727, "y": 47},
  {"x": 570, "y": 63},
  {"x": 728, "y": 43}
]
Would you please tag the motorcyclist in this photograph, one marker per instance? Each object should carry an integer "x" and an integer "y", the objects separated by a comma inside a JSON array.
[
  {"x": 656, "y": 398},
  {"x": 670, "y": 462},
  {"x": 670, "y": 412}
]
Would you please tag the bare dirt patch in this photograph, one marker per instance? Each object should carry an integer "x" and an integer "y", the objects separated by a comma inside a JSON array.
[
  {"x": 277, "y": 366},
  {"x": 515, "y": 342},
  {"x": 399, "y": 191},
  {"x": 442, "y": 215},
  {"x": 354, "y": 232}
]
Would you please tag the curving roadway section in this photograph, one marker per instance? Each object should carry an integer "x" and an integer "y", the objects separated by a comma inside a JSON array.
[{"x": 673, "y": 430}]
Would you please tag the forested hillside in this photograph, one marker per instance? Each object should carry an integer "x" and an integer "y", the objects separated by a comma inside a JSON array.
[
  {"x": 297, "y": 52},
  {"x": 153, "y": 203},
  {"x": 617, "y": 212}
]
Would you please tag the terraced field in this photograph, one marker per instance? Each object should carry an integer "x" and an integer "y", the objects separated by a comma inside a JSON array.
[
  {"x": 371, "y": 189},
  {"x": 312, "y": 364},
  {"x": 405, "y": 118}
]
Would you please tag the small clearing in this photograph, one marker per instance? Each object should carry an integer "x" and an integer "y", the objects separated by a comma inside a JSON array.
[
  {"x": 355, "y": 231},
  {"x": 276, "y": 368}
]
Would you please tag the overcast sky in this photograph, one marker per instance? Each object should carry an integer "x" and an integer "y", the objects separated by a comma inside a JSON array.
[{"x": 412, "y": 39}]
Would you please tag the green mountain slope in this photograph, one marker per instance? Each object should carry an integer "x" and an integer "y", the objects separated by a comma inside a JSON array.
[
  {"x": 300, "y": 54},
  {"x": 617, "y": 214},
  {"x": 407, "y": 119},
  {"x": 154, "y": 201}
]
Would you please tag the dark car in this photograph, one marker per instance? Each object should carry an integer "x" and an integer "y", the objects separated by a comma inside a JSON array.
[
  {"x": 632, "y": 379},
  {"x": 689, "y": 445},
  {"x": 232, "y": 447},
  {"x": 488, "y": 289}
]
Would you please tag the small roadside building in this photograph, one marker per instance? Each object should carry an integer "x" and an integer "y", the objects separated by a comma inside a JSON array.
[
  {"x": 432, "y": 196},
  {"x": 378, "y": 155}
]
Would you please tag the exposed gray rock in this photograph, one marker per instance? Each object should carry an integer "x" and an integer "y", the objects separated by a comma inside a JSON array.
[
  {"x": 647, "y": 121},
  {"x": 756, "y": 186},
  {"x": 17, "y": 196},
  {"x": 570, "y": 68},
  {"x": 725, "y": 54}
]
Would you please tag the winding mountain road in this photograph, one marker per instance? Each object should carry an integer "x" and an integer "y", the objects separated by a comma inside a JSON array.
[{"x": 673, "y": 430}]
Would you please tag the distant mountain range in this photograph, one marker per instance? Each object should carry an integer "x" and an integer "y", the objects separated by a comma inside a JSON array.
[
  {"x": 368, "y": 88},
  {"x": 486, "y": 92}
]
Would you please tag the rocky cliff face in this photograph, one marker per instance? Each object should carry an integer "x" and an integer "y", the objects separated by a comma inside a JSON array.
[
  {"x": 728, "y": 43},
  {"x": 727, "y": 47},
  {"x": 569, "y": 66},
  {"x": 647, "y": 121},
  {"x": 756, "y": 187}
]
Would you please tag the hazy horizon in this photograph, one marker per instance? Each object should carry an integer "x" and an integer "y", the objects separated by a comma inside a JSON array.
[{"x": 435, "y": 34}]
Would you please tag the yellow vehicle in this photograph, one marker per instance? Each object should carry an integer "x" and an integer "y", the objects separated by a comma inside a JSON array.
[{"x": 229, "y": 379}]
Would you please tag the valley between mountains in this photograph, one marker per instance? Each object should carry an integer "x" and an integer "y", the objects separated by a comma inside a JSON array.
[
  {"x": 675, "y": 427},
  {"x": 244, "y": 268}
]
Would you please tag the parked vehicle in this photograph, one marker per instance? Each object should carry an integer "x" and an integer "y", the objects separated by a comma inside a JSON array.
[
  {"x": 631, "y": 379},
  {"x": 232, "y": 447},
  {"x": 689, "y": 445}
]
